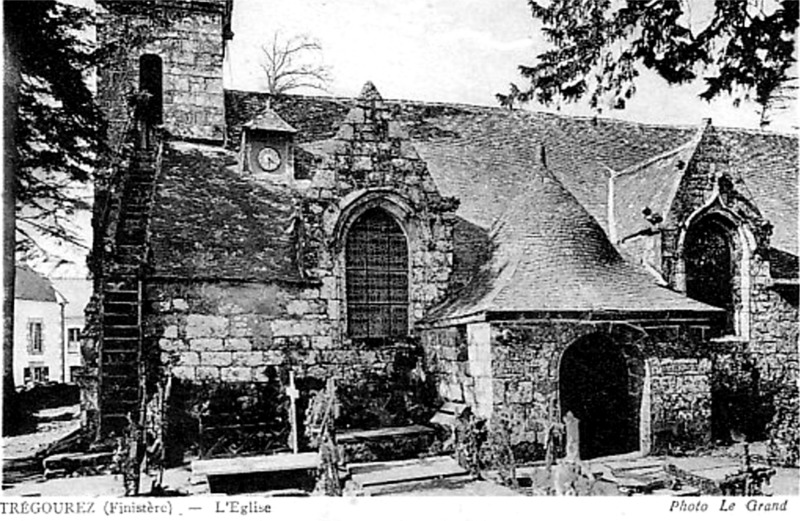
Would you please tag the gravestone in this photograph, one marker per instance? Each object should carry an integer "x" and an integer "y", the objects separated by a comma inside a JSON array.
[{"x": 573, "y": 437}]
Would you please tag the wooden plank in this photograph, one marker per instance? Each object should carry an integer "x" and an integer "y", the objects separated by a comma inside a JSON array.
[
  {"x": 388, "y": 432},
  {"x": 408, "y": 471},
  {"x": 256, "y": 464}
]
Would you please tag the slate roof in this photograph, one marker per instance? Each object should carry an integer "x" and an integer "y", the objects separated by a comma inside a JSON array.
[
  {"x": 652, "y": 184},
  {"x": 211, "y": 221},
  {"x": 29, "y": 285},
  {"x": 550, "y": 255},
  {"x": 768, "y": 163},
  {"x": 268, "y": 119}
]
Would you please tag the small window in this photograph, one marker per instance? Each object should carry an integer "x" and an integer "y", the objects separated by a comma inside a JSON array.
[
  {"x": 35, "y": 346},
  {"x": 150, "y": 81},
  {"x": 74, "y": 340},
  {"x": 376, "y": 259},
  {"x": 41, "y": 374},
  {"x": 462, "y": 346},
  {"x": 26, "y": 375}
]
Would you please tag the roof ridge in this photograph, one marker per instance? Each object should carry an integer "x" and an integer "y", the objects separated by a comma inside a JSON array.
[
  {"x": 526, "y": 112},
  {"x": 664, "y": 155}
]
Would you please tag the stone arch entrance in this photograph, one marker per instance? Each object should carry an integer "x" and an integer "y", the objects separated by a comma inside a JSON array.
[
  {"x": 710, "y": 255},
  {"x": 601, "y": 383}
]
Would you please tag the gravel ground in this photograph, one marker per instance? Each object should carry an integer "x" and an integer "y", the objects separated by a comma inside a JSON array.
[{"x": 53, "y": 424}]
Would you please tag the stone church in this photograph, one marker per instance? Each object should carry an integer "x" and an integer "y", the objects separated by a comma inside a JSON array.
[{"x": 528, "y": 264}]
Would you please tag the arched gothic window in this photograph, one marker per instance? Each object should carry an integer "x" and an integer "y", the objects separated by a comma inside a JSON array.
[
  {"x": 710, "y": 273},
  {"x": 376, "y": 271}
]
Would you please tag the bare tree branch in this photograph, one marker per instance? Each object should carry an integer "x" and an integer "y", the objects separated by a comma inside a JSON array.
[{"x": 293, "y": 63}]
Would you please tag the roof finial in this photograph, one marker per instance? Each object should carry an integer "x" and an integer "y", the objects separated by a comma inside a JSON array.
[{"x": 369, "y": 92}]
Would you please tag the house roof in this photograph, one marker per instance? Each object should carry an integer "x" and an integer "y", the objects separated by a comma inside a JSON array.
[
  {"x": 29, "y": 285},
  {"x": 268, "y": 119},
  {"x": 212, "y": 221},
  {"x": 76, "y": 292},
  {"x": 550, "y": 255}
]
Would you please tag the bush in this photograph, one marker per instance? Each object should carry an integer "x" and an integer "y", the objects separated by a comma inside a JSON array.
[{"x": 784, "y": 433}]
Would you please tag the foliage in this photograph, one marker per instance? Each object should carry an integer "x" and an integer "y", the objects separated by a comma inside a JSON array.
[
  {"x": 401, "y": 395},
  {"x": 236, "y": 417},
  {"x": 291, "y": 63},
  {"x": 742, "y": 402},
  {"x": 784, "y": 435},
  {"x": 746, "y": 49},
  {"x": 60, "y": 132},
  {"x": 471, "y": 437}
]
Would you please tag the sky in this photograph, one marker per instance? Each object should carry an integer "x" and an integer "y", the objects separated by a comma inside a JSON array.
[{"x": 462, "y": 51}]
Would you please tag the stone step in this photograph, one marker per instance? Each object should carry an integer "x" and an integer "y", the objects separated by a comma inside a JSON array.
[
  {"x": 255, "y": 464},
  {"x": 124, "y": 285},
  {"x": 126, "y": 395},
  {"x": 122, "y": 319},
  {"x": 120, "y": 307},
  {"x": 121, "y": 331},
  {"x": 114, "y": 423},
  {"x": 125, "y": 357},
  {"x": 120, "y": 406},
  {"x": 121, "y": 371},
  {"x": 370, "y": 475},
  {"x": 73, "y": 460},
  {"x": 120, "y": 345},
  {"x": 409, "y": 441}
]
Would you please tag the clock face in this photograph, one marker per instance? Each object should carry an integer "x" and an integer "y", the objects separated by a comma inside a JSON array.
[{"x": 269, "y": 159}]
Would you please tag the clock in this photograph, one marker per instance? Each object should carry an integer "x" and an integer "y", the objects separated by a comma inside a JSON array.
[{"x": 269, "y": 159}]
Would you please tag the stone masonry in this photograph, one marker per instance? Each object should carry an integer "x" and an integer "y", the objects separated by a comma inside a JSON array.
[
  {"x": 188, "y": 37},
  {"x": 515, "y": 374},
  {"x": 233, "y": 331}
]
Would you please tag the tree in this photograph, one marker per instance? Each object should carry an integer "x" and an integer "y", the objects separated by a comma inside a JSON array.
[
  {"x": 55, "y": 133},
  {"x": 746, "y": 49},
  {"x": 292, "y": 63},
  {"x": 60, "y": 136}
]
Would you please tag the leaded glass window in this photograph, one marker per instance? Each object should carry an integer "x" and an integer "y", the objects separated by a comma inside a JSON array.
[{"x": 376, "y": 259}]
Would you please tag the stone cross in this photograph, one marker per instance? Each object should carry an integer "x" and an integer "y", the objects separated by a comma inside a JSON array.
[
  {"x": 293, "y": 394},
  {"x": 573, "y": 437}
]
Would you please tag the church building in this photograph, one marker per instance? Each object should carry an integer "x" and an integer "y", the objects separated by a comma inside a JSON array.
[{"x": 522, "y": 264}]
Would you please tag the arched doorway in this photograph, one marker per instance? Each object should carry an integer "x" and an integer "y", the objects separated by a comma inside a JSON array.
[
  {"x": 710, "y": 274},
  {"x": 597, "y": 382}
]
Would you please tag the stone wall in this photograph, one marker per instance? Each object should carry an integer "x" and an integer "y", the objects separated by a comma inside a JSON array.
[
  {"x": 234, "y": 331},
  {"x": 446, "y": 359},
  {"x": 680, "y": 402},
  {"x": 523, "y": 360},
  {"x": 766, "y": 316},
  {"x": 230, "y": 331},
  {"x": 774, "y": 327},
  {"x": 188, "y": 37}
]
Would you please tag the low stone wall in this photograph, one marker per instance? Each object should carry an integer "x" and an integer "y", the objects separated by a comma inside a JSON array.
[{"x": 680, "y": 403}]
